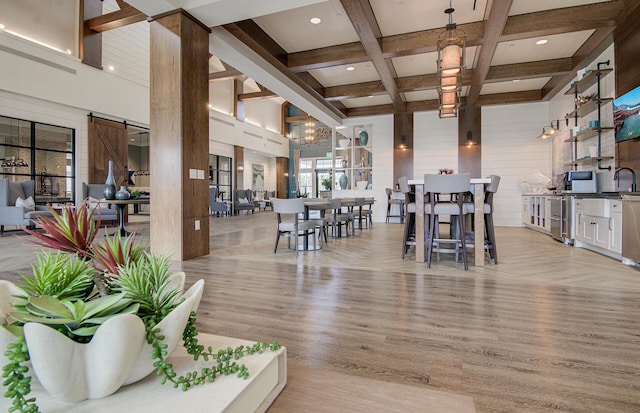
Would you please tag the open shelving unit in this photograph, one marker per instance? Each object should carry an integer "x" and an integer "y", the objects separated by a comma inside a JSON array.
[{"x": 590, "y": 79}]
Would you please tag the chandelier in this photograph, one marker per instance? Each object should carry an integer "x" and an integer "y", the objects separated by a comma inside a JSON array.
[
  {"x": 311, "y": 134},
  {"x": 451, "y": 54}
]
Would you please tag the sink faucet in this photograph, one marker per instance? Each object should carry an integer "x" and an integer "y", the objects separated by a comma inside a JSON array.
[{"x": 633, "y": 177}]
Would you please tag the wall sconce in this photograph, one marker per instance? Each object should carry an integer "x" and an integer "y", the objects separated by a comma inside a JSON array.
[
  {"x": 286, "y": 174},
  {"x": 549, "y": 131},
  {"x": 240, "y": 168},
  {"x": 403, "y": 143},
  {"x": 470, "y": 141}
]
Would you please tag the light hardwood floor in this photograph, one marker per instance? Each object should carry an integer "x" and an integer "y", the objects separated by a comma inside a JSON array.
[{"x": 550, "y": 329}]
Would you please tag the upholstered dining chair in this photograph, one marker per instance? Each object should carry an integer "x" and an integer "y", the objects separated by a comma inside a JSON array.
[
  {"x": 290, "y": 225},
  {"x": 489, "y": 232},
  {"x": 17, "y": 205},
  {"x": 394, "y": 202},
  {"x": 457, "y": 185},
  {"x": 409, "y": 236},
  {"x": 338, "y": 218}
]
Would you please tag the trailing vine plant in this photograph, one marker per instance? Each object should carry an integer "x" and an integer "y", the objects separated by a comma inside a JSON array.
[
  {"x": 16, "y": 379},
  {"x": 224, "y": 359}
]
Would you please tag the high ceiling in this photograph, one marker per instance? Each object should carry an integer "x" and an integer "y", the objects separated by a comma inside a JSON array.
[{"x": 391, "y": 46}]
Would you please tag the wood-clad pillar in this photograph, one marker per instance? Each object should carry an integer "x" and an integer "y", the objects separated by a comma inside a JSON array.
[
  {"x": 402, "y": 146},
  {"x": 282, "y": 177},
  {"x": 180, "y": 136},
  {"x": 90, "y": 45},
  {"x": 469, "y": 141}
]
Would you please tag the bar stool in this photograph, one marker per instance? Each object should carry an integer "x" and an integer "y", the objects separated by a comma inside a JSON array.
[
  {"x": 457, "y": 186},
  {"x": 409, "y": 236},
  {"x": 489, "y": 234},
  {"x": 394, "y": 201}
]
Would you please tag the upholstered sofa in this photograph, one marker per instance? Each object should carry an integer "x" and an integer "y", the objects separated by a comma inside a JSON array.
[{"x": 21, "y": 215}]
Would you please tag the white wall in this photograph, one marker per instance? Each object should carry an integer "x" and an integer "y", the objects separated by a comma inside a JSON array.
[
  {"x": 126, "y": 49},
  {"x": 269, "y": 163},
  {"x": 510, "y": 148},
  {"x": 435, "y": 143},
  {"x": 265, "y": 113},
  {"x": 221, "y": 96}
]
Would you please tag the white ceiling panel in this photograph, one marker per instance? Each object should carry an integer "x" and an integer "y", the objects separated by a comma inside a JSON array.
[
  {"x": 511, "y": 86},
  {"x": 523, "y": 7},
  {"x": 526, "y": 50},
  {"x": 405, "y": 16},
  {"x": 293, "y": 31},
  {"x": 421, "y": 95},
  {"x": 416, "y": 64},
  {"x": 339, "y": 75},
  {"x": 368, "y": 101}
]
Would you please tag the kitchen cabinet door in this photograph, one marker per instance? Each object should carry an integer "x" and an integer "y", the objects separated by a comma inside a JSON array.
[
  {"x": 615, "y": 233},
  {"x": 588, "y": 229},
  {"x": 602, "y": 233}
]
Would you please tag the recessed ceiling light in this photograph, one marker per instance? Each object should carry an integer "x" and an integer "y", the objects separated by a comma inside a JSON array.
[
  {"x": 111, "y": 68},
  {"x": 541, "y": 42},
  {"x": 351, "y": 68},
  {"x": 370, "y": 96},
  {"x": 132, "y": 139},
  {"x": 1, "y": 26},
  {"x": 315, "y": 20},
  {"x": 515, "y": 80}
]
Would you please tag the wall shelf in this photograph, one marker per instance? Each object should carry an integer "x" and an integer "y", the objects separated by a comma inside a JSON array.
[
  {"x": 583, "y": 161},
  {"x": 587, "y": 108},
  {"x": 587, "y": 134},
  {"x": 587, "y": 81}
]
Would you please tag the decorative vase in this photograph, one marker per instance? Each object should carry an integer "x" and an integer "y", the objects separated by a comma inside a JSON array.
[
  {"x": 364, "y": 138},
  {"x": 110, "y": 184},
  {"x": 344, "y": 143},
  {"x": 343, "y": 181},
  {"x": 117, "y": 355},
  {"x": 123, "y": 194}
]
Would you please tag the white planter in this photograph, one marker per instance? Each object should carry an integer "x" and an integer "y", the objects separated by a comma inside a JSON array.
[
  {"x": 344, "y": 143},
  {"x": 117, "y": 355}
]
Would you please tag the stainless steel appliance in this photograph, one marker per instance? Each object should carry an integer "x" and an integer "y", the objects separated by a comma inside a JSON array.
[
  {"x": 631, "y": 227},
  {"x": 581, "y": 182},
  {"x": 561, "y": 218}
]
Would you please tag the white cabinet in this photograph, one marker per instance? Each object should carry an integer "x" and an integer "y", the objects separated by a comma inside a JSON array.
[
  {"x": 598, "y": 223},
  {"x": 535, "y": 212},
  {"x": 615, "y": 242}
]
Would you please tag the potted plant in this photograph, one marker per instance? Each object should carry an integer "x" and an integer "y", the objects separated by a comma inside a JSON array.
[
  {"x": 98, "y": 315},
  {"x": 326, "y": 183}
]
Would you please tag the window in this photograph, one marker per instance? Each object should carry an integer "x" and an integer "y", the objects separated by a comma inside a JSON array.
[
  {"x": 220, "y": 175},
  {"x": 39, "y": 152}
]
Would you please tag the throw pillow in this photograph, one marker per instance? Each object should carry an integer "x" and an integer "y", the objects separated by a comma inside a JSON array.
[
  {"x": 28, "y": 204},
  {"x": 243, "y": 200}
]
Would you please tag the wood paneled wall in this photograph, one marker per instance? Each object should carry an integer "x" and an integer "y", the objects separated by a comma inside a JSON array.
[
  {"x": 90, "y": 46},
  {"x": 180, "y": 136},
  {"x": 470, "y": 150},
  {"x": 402, "y": 145},
  {"x": 627, "y": 49}
]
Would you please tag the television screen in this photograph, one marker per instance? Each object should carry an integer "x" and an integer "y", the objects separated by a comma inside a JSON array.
[{"x": 626, "y": 115}]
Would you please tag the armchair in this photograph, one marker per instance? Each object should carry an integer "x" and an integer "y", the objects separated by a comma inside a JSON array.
[
  {"x": 215, "y": 206},
  {"x": 243, "y": 201},
  {"x": 20, "y": 216},
  {"x": 96, "y": 191}
]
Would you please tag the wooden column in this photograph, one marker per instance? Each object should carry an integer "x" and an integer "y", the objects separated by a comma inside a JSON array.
[
  {"x": 402, "y": 146},
  {"x": 90, "y": 44},
  {"x": 282, "y": 177},
  {"x": 469, "y": 141},
  {"x": 180, "y": 136}
]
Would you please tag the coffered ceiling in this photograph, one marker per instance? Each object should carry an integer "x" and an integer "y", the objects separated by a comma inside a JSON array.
[{"x": 370, "y": 57}]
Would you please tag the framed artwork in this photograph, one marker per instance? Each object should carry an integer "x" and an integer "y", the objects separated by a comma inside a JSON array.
[{"x": 258, "y": 177}]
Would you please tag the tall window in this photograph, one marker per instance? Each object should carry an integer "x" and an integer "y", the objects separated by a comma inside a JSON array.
[
  {"x": 39, "y": 152},
  {"x": 220, "y": 175}
]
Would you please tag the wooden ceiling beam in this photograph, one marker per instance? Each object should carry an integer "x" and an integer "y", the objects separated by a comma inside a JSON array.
[
  {"x": 371, "y": 110},
  {"x": 510, "y": 97},
  {"x": 261, "y": 43},
  {"x": 530, "y": 70},
  {"x": 544, "y": 23},
  {"x": 227, "y": 74},
  {"x": 365, "y": 24},
  {"x": 125, "y": 16},
  {"x": 494, "y": 27},
  {"x": 564, "y": 20},
  {"x": 356, "y": 90},
  {"x": 256, "y": 95}
]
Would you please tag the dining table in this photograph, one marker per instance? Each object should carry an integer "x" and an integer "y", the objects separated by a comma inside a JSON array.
[{"x": 478, "y": 220}]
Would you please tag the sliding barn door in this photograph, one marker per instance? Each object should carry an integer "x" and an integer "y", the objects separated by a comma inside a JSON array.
[{"x": 107, "y": 142}]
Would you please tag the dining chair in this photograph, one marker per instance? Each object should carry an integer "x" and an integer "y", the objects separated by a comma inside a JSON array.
[
  {"x": 290, "y": 225},
  {"x": 338, "y": 218},
  {"x": 391, "y": 202},
  {"x": 409, "y": 236},
  {"x": 457, "y": 185},
  {"x": 364, "y": 212},
  {"x": 489, "y": 232}
]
